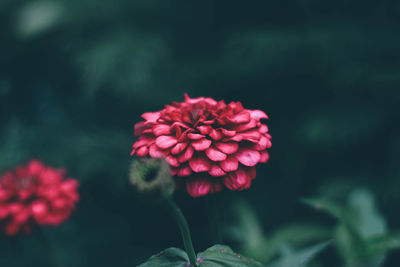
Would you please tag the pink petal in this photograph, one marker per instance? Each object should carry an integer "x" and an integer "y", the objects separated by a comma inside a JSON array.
[
  {"x": 198, "y": 187},
  {"x": 204, "y": 129},
  {"x": 246, "y": 126},
  {"x": 258, "y": 114},
  {"x": 166, "y": 141},
  {"x": 214, "y": 134},
  {"x": 155, "y": 152},
  {"x": 141, "y": 152},
  {"x": 241, "y": 117},
  {"x": 172, "y": 161},
  {"x": 161, "y": 129},
  {"x": 263, "y": 128},
  {"x": 194, "y": 136},
  {"x": 230, "y": 164},
  {"x": 143, "y": 140},
  {"x": 238, "y": 180},
  {"x": 200, "y": 163},
  {"x": 227, "y": 132},
  {"x": 248, "y": 157},
  {"x": 201, "y": 144},
  {"x": 252, "y": 135},
  {"x": 227, "y": 147},
  {"x": 264, "y": 157},
  {"x": 140, "y": 127},
  {"x": 236, "y": 138},
  {"x": 184, "y": 171},
  {"x": 215, "y": 155},
  {"x": 262, "y": 144},
  {"x": 151, "y": 116},
  {"x": 178, "y": 148},
  {"x": 187, "y": 155},
  {"x": 252, "y": 173},
  {"x": 216, "y": 171}
]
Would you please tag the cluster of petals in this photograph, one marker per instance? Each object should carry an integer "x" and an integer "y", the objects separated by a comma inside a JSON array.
[
  {"x": 35, "y": 195},
  {"x": 210, "y": 145}
]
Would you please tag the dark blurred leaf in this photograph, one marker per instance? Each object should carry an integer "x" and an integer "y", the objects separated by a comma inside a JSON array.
[
  {"x": 325, "y": 205},
  {"x": 220, "y": 255},
  {"x": 167, "y": 258},
  {"x": 216, "y": 256},
  {"x": 299, "y": 258}
]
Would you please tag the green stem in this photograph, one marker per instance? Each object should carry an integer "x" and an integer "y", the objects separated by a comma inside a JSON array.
[
  {"x": 47, "y": 246},
  {"x": 213, "y": 217},
  {"x": 184, "y": 227}
]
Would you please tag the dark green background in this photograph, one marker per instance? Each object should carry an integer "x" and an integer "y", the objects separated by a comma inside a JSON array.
[{"x": 75, "y": 75}]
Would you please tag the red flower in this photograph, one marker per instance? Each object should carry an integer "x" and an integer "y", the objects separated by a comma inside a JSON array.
[
  {"x": 35, "y": 194},
  {"x": 209, "y": 145}
]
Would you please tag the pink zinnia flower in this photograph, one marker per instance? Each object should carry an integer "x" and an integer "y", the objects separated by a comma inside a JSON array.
[
  {"x": 35, "y": 194},
  {"x": 209, "y": 145}
]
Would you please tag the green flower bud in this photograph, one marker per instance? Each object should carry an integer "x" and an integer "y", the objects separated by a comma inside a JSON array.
[{"x": 152, "y": 177}]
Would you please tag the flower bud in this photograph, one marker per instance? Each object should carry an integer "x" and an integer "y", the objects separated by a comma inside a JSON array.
[{"x": 152, "y": 177}]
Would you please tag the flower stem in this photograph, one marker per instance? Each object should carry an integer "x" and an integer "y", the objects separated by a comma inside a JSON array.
[
  {"x": 213, "y": 217},
  {"x": 47, "y": 246},
  {"x": 184, "y": 227}
]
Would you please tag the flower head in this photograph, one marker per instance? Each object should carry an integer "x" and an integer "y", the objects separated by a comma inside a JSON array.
[
  {"x": 35, "y": 194},
  {"x": 209, "y": 144}
]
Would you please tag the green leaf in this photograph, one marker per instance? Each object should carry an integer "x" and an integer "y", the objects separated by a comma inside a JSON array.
[
  {"x": 216, "y": 256},
  {"x": 220, "y": 255},
  {"x": 363, "y": 214},
  {"x": 300, "y": 258},
  {"x": 167, "y": 258},
  {"x": 325, "y": 205},
  {"x": 383, "y": 243}
]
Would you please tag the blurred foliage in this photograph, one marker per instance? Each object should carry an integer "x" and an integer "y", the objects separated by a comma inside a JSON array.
[
  {"x": 361, "y": 235},
  {"x": 76, "y": 75}
]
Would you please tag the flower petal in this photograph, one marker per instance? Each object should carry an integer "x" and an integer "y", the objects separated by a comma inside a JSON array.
[
  {"x": 151, "y": 116},
  {"x": 245, "y": 126},
  {"x": 204, "y": 129},
  {"x": 201, "y": 144},
  {"x": 184, "y": 171},
  {"x": 178, "y": 148},
  {"x": 227, "y": 147},
  {"x": 258, "y": 114},
  {"x": 142, "y": 151},
  {"x": 200, "y": 163},
  {"x": 216, "y": 171},
  {"x": 238, "y": 180},
  {"x": 216, "y": 135},
  {"x": 155, "y": 152},
  {"x": 230, "y": 164},
  {"x": 248, "y": 157},
  {"x": 187, "y": 155},
  {"x": 264, "y": 156},
  {"x": 194, "y": 136},
  {"x": 214, "y": 154},
  {"x": 161, "y": 129},
  {"x": 198, "y": 187},
  {"x": 172, "y": 161},
  {"x": 241, "y": 117},
  {"x": 166, "y": 141}
]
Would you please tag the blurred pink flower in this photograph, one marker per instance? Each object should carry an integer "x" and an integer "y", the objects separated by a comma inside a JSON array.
[{"x": 35, "y": 194}]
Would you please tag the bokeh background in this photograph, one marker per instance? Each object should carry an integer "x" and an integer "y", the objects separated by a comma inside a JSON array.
[{"x": 76, "y": 75}]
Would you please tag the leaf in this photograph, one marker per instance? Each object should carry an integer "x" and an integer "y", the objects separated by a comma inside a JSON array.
[
  {"x": 383, "y": 243},
  {"x": 364, "y": 216},
  {"x": 218, "y": 255},
  {"x": 300, "y": 258},
  {"x": 167, "y": 258},
  {"x": 325, "y": 205}
]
